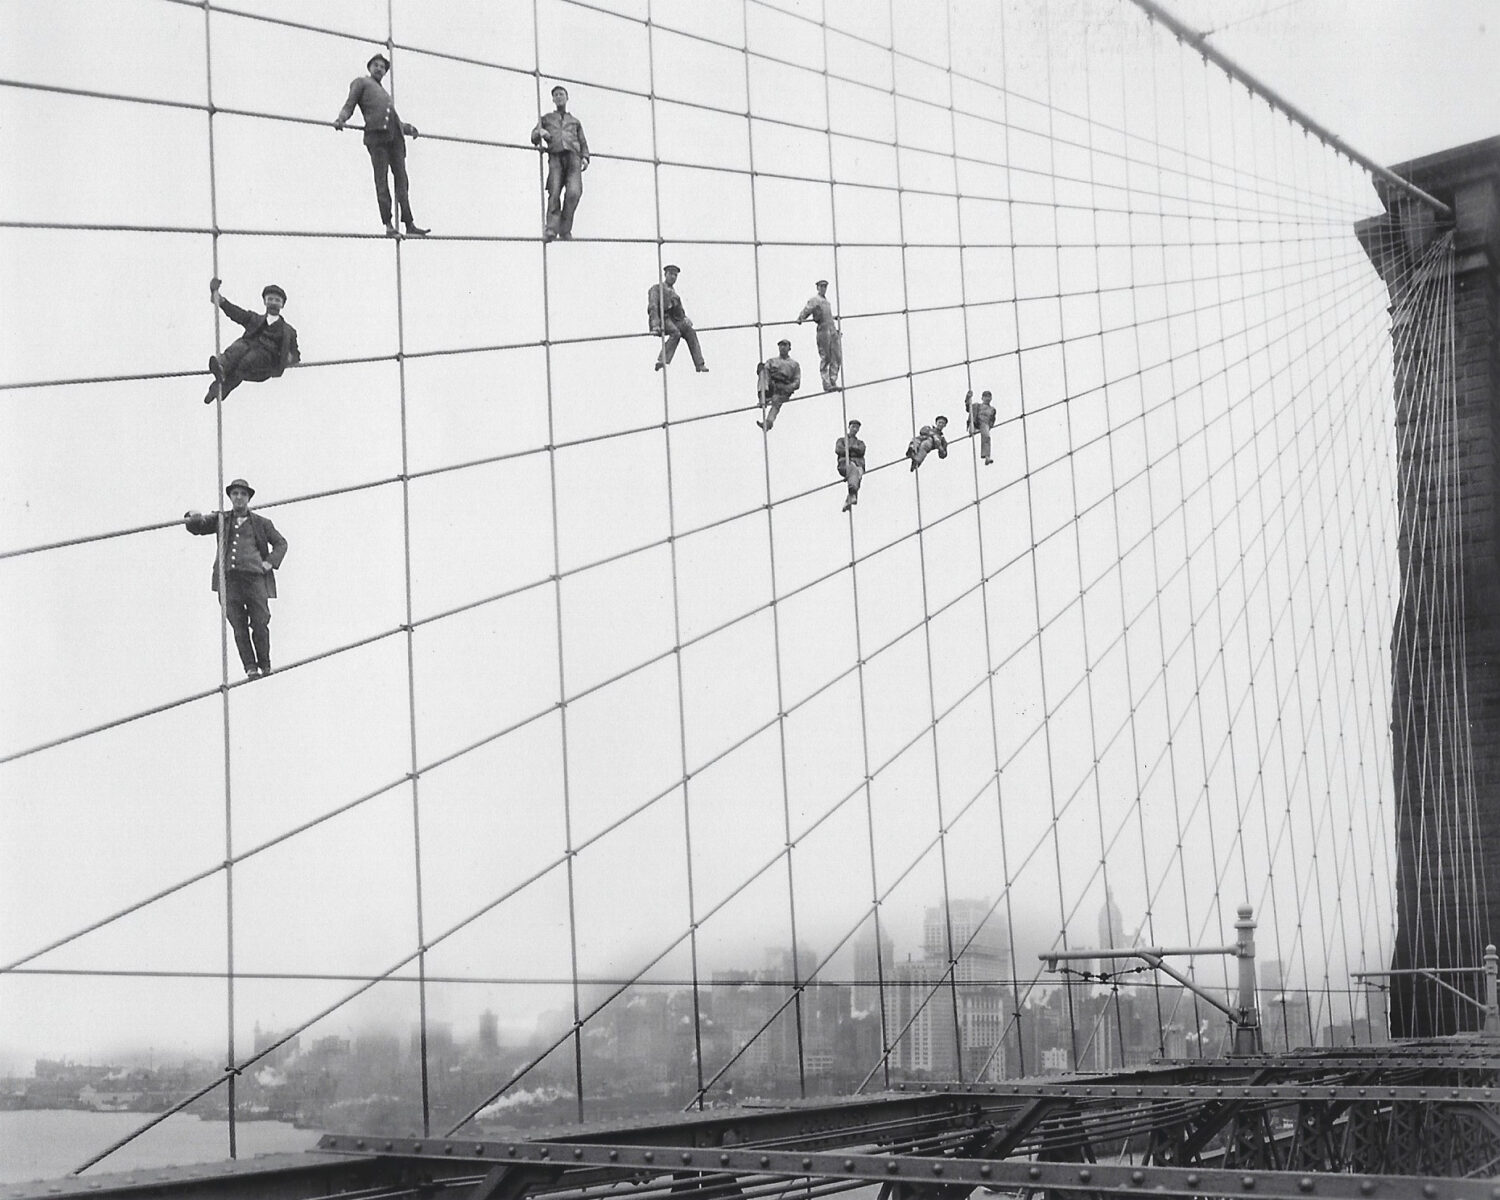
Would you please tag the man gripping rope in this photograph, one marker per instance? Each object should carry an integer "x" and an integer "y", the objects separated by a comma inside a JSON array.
[
  {"x": 250, "y": 550},
  {"x": 385, "y": 139},
  {"x": 265, "y": 350}
]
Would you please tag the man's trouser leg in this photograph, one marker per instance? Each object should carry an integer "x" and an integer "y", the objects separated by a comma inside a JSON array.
[
  {"x": 853, "y": 474},
  {"x": 690, "y": 336},
  {"x": 829, "y": 357},
  {"x": 773, "y": 407},
  {"x": 574, "y": 192},
  {"x": 557, "y": 172},
  {"x": 984, "y": 441},
  {"x": 396, "y": 150},
  {"x": 669, "y": 347},
  {"x": 237, "y": 613},
  {"x": 918, "y": 451},
  {"x": 380, "y": 162}
]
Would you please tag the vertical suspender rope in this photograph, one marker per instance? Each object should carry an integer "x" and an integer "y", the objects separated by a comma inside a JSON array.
[
  {"x": 666, "y": 415},
  {"x": 222, "y": 567},
  {"x": 562, "y": 682},
  {"x": 410, "y": 639},
  {"x": 951, "y": 970},
  {"x": 1110, "y": 935},
  {"x": 984, "y": 611},
  {"x": 765, "y": 443},
  {"x": 859, "y": 651},
  {"x": 1062, "y": 905}
]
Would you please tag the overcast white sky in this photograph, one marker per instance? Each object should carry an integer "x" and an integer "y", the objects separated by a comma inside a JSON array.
[{"x": 1259, "y": 449}]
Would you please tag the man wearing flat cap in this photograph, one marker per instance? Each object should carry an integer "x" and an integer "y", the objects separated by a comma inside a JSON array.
[
  {"x": 250, "y": 550},
  {"x": 929, "y": 438},
  {"x": 385, "y": 139},
  {"x": 266, "y": 348},
  {"x": 666, "y": 317},
  {"x": 849, "y": 455},
  {"x": 830, "y": 342},
  {"x": 776, "y": 379}
]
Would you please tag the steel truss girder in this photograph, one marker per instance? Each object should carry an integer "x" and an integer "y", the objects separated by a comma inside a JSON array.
[{"x": 798, "y": 1170}]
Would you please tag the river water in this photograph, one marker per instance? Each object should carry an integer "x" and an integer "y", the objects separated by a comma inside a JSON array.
[{"x": 46, "y": 1143}]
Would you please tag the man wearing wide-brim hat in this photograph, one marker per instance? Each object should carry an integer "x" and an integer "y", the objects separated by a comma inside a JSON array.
[
  {"x": 250, "y": 550},
  {"x": 266, "y": 348}
]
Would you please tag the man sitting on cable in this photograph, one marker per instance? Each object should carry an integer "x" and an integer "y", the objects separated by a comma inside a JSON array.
[{"x": 266, "y": 348}]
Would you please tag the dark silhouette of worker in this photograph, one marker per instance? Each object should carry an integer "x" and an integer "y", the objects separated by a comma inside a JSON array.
[
  {"x": 775, "y": 381},
  {"x": 830, "y": 341},
  {"x": 666, "y": 317},
  {"x": 266, "y": 348},
  {"x": 560, "y": 136},
  {"x": 928, "y": 439},
  {"x": 850, "y": 453},
  {"x": 981, "y": 421},
  {"x": 385, "y": 139},
  {"x": 250, "y": 550}
]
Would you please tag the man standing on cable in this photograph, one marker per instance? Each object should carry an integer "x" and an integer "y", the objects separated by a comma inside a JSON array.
[
  {"x": 559, "y": 135},
  {"x": 250, "y": 550},
  {"x": 385, "y": 139},
  {"x": 775, "y": 381},
  {"x": 266, "y": 348},
  {"x": 928, "y": 439},
  {"x": 850, "y": 453},
  {"x": 665, "y": 314},
  {"x": 981, "y": 421},
  {"x": 830, "y": 342}
]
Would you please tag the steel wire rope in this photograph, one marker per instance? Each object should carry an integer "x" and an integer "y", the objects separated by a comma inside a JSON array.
[
  {"x": 984, "y": 599},
  {"x": 1108, "y": 934},
  {"x": 366, "y": 360},
  {"x": 276, "y": 840},
  {"x": 666, "y": 398},
  {"x": 769, "y": 411},
  {"x": 571, "y": 849},
  {"x": 1195, "y": 392},
  {"x": 414, "y": 775},
  {"x": 950, "y": 973},
  {"x": 1247, "y": 692},
  {"x": 859, "y": 651},
  {"x": 222, "y": 536},
  {"x": 1029, "y": 474},
  {"x": 285, "y": 835},
  {"x": 294, "y": 1032}
]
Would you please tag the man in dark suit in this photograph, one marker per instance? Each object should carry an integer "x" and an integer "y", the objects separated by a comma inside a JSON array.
[
  {"x": 266, "y": 348},
  {"x": 250, "y": 550}
]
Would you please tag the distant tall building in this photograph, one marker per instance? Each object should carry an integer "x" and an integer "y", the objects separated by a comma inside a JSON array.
[
  {"x": 979, "y": 941},
  {"x": 870, "y": 966},
  {"x": 489, "y": 1032}
]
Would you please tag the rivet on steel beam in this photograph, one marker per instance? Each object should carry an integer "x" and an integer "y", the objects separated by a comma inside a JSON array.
[
  {"x": 417, "y": 1147},
  {"x": 891, "y": 1165},
  {"x": 448, "y": 1149},
  {"x": 1248, "y": 1183},
  {"x": 765, "y": 1160},
  {"x": 937, "y": 1168},
  {"x": 359, "y": 1145},
  {"x": 511, "y": 1150},
  {"x": 723, "y": 1160},
  {"x": 1305, "y": 1184},
  {"x": 649, "y": 1156},
  {"x": 614, "y": 1156},
  {"x": 1429, "y": 1189},
  {"x": 1137, "y": 1177},
  {"x": 686, "y": 1157},
  {"x": 807, "y": 1164},
  {"x": 390, "y": 1145},
  {"x": 848, "y": 1164},
  {"x": 984, "y": 1171},
  {"x": 1367, "y": 1187},
  {"x": 577, "y": 1151},
  {"x": 1085, "y": 1175},
  {"x": 547, "y": 1153},
  {"x": 1192, "y": 1179},
  {"x": 1034, "y": 1172}
]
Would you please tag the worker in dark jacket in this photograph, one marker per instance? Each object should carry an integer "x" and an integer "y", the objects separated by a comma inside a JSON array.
[
  {"x": 385, "y": 139},
  {"x": 266, "y": 348},
  {"x": 830, "y": 342},
  {"x": 559, "y": 135},
  {"x": 981, "y": 421},
  {"x": 665, "y": 315},
  {"x": 250, "y": 550},
  {"x": 776, "y": 379},
  {"x": 850, "y": 454},
  {"x": 929, "y": 438}
]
